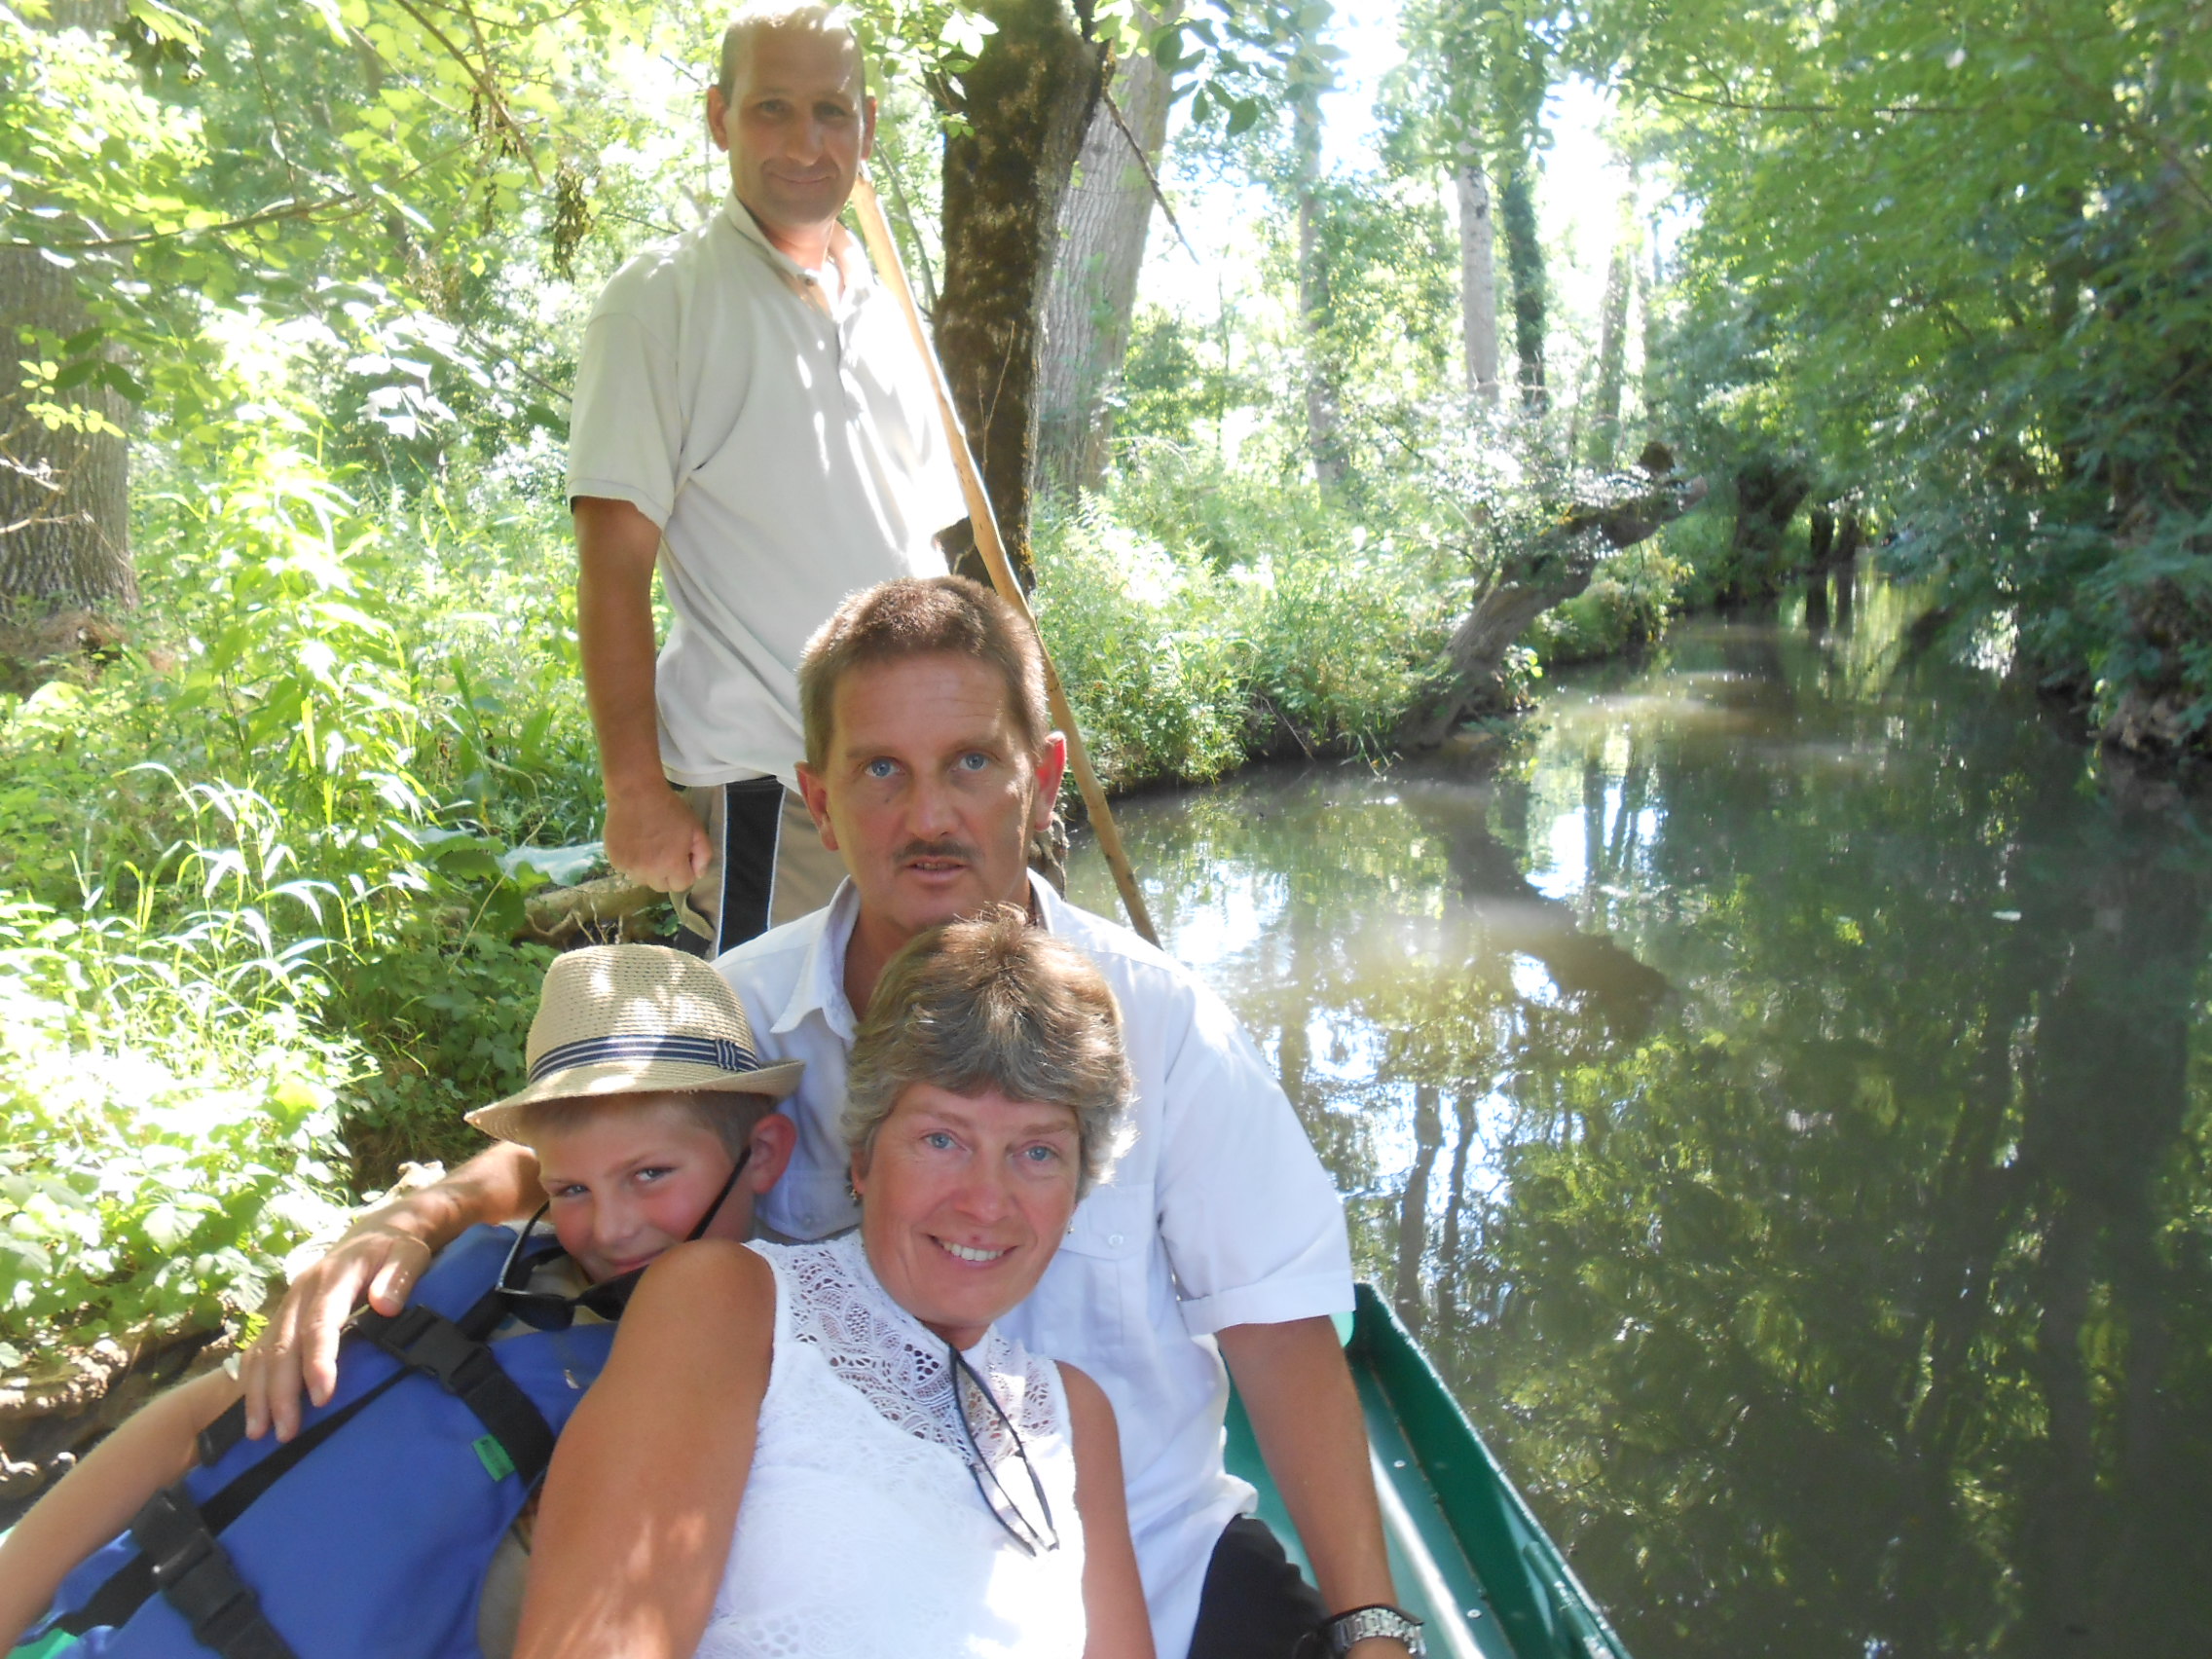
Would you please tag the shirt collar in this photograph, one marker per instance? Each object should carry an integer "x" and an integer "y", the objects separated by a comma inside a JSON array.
[
  {"x": 852, "y": 264},
  {"x": 821, "y": 985}
]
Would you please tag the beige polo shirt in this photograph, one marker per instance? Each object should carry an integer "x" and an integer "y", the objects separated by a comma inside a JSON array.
[{"x": 789, "y": 447}]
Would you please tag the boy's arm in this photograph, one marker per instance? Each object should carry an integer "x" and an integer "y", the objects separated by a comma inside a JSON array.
[
  {"x": 378, "y": 1261},
  {"x": 97, "y": 1499}
]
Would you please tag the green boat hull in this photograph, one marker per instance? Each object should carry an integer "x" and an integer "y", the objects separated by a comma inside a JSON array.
[{"x": 1466, "y": 1552}]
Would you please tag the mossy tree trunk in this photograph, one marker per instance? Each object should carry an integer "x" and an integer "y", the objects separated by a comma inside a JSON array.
[
  {"x": 1026, "y": 103},
  {"x": 1612, "y": 342},
  {"x": 1478, "y": 278},
  {"x": 1324, "y": 376},
  {"x": 1768, "y": 493},
  {"x": 1548, "y": 570},
  {"x": 65, "y": 489},
  {"x": 1525, "y": 265}
]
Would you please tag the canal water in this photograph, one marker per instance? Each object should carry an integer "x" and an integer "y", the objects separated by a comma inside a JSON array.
[{"x": 1776, "y": 1094}]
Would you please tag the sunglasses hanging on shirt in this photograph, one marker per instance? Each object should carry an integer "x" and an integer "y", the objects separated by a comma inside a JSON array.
[{"x": 1034, "y": 1540}]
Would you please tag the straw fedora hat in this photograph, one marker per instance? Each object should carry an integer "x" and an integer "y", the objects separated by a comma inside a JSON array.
[{"x": 636, "y": 1020}]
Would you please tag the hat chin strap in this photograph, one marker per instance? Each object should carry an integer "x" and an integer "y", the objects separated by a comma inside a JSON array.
[{"x": 715, "y": 1208}]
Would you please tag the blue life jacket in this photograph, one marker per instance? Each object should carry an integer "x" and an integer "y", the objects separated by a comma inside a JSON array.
[{"x": 367, "y": 1535}]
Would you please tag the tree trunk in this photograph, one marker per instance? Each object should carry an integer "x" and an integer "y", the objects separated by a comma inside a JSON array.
[
  {"x": 1768, "y": 495},
  {"x": 1820, "y": 542},
  {"x": 1550, "y": 570},
  {"x": 1820, "y": 545},
  {"x": 1612, "y": 352},
  {"x": 1322, "y": 438},
  {"x": 1026, "y": 103},
  {"x": 1093, "y": 291},
  {"x": 1478, "y": 280},
  {"x": 65, "y": 492},
  {"x": 1525, "y": 264}
]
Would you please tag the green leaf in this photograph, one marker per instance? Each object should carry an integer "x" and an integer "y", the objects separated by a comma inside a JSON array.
[{"x": 167, "y": 1226}]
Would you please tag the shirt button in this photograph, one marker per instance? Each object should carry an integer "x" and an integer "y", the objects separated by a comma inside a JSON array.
[{"x": 1114, "y": 1238}]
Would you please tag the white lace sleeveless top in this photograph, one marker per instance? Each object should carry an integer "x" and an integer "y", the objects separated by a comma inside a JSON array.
[{"x": 862, "y": 1533}]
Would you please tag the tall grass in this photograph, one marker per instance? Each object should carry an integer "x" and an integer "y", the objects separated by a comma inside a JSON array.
[
  {"x": 255, "y": 925},
  {"x": 1198, "y": 622}
]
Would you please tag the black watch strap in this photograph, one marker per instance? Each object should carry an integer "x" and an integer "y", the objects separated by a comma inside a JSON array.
[{"x": 1378, "y": 1619}]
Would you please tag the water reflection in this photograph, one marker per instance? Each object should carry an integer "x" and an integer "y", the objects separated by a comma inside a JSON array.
[{"x": 1779, "y": 1101}]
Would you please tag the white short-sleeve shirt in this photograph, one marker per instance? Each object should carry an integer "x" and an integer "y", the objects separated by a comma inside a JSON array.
[
  {"x": 791, "y": 451},
  {"x": 1220, "y": 1214}
]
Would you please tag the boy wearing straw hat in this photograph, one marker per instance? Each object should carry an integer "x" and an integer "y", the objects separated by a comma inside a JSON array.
[{"x": 652, "y": 1122}]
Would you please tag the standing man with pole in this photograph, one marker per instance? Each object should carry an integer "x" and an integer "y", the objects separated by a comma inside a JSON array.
[{"x": 750, "y": 417}]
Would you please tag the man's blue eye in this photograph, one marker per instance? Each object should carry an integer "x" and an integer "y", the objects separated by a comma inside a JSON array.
[
  {"x": 975, "y": 760},
  {"x": 938, "y": 1138},
  {"x": 1041, "y": 1154},
  {"x": 880, "y": 768}
]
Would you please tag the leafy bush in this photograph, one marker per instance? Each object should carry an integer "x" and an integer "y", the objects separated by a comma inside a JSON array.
[
  {"x": 284, "y": 816},
  {"x": 1181, "y": 663},
  {"x": 1149, "y": 648},
  {"x": 171, "y": 1131},
  {"x": 1627, "y": 605},
  {"x": 1345, "y": 639}
]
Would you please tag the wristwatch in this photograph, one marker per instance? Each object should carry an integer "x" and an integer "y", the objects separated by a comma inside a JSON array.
[{"x": 1360, "y": 1623}]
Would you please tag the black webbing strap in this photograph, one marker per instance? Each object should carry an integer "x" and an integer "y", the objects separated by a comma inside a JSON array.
[
  {"x": 429, "y": 1343},
  {"x": 196, "y": 1578},
  {"x": 122, "y": 1595},
  {"x": 217, "y": 1440}
]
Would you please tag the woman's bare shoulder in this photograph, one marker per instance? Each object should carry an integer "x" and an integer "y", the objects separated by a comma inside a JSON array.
[
  {"x": 709, "y": 1282},
  {"x": 1090, "y": 1411}
]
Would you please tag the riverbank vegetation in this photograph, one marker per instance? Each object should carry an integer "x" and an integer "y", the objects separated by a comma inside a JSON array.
[{"x": 292, "y": 731}]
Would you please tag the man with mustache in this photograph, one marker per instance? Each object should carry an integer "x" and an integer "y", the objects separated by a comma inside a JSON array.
[
  {"x": 931, "y": 761},
  {"x": 752, "y": 417}
]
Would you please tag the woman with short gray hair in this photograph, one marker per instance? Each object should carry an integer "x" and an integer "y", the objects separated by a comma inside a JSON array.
[
  {"x": 830, "y": 1451},
  {"x": 993, "y": 1005}
]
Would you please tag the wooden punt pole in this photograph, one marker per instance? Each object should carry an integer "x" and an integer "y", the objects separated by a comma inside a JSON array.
[{"x": 875, "y": 230}]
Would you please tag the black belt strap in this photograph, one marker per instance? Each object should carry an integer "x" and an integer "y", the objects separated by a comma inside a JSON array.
[
  {"x": 433, "y": 1344},
  {"x": 421, "y": 1341},
  {"x": 196, "y": 1578},
  {"x": 126, "y": 1591}
]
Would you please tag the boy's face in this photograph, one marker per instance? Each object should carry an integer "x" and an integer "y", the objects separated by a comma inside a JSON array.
[{"x": 626, "y": 1182}]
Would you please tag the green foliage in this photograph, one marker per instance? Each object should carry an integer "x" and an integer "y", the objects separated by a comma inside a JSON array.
[
  {"x": 169, "y": 1129},
  {"x": 1198, "y": 620},
  {"x": 288, "y": 814},
  {"x": 1150, "y": 649},
  {"x": 1626, "y": 605},
  {"x": 1957, "y": 261}
]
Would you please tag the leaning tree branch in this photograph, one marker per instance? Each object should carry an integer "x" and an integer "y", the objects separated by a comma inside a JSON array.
[
  {"x": 342, "y": 205},
  {"x": 1149, "y": 178},
  {"x": 1551, "y": 568}
]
